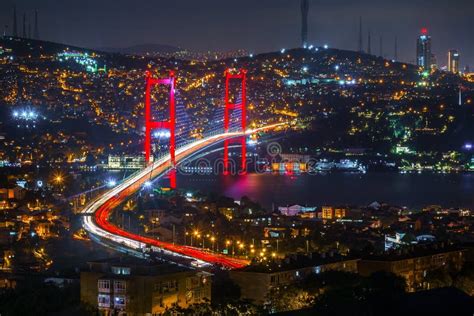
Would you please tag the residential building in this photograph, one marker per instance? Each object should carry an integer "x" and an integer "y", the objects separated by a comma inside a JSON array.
[
  {"x": 256, "y": 281},
  {"x": 414, "y": 265},
  {"x": 137, "y": 287}
]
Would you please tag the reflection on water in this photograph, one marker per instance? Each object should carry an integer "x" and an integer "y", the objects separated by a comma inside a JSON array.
[{"x": 414, "y": 190}]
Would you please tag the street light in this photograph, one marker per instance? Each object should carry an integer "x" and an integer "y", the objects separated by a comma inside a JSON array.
[
  {"x": 241, "y": 247},
  {"x": 213, "y": 239},
  {"x": 111, "y": 183},
  {"x": 58, "y": 179},
  {"x": 195, "y": 233}
]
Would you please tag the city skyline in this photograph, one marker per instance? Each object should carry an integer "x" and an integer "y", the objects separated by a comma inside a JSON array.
[
  {"x": 236, "y": 158},
  {"x": 232, "y": 25}
]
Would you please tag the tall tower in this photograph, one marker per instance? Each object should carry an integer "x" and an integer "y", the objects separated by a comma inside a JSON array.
[
  {"x": 369, "y": 44},
  {"x": 453, "y": 61},
  {"x": 36, "y": 34},
  {"x": 423, "y": 50},
  {"x": 381, "y": 46},
  {"x": 24, "y": 25},
  {"x": 361, "y": 48},
  {"x": 304, "y": 22},
  {"x": 15, "y": 27},
  {"x": 395, "y": 53}
]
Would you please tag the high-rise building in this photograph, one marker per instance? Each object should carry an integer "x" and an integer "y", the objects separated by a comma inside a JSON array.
[
  {"x": 453, "y": 61},
  {"x": 15, "y": 26},
  {"x": 423, "y": 50},
  {"x": 304, "y": 22}
]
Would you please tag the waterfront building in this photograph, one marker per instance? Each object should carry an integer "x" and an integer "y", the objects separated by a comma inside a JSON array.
[
  {"x": 125, "y": 162},
  {"x": 295, "y": 210}
]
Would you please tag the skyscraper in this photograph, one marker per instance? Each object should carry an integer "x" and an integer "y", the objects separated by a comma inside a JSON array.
[
  {"x": 304, "y": 22},
  {"x": 36, "y": 34},
  {"x": 15, "y": 27},
  {"x": 453, "y": 61},
  {"x": 423, "y": 50}
]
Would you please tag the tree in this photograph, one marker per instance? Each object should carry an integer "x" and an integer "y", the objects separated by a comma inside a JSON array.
[
  {"x": 465, "y": 279},
  {"x": 438, "y": 278},
  {"x": 289, "y": 298},
  {"x": 236, "y": 308}
]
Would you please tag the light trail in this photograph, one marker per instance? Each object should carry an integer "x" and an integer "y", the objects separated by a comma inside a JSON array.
[{"x": 99, "y": 210}]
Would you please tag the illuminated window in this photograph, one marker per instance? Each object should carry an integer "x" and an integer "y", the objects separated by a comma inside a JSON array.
[
  {"x": 120, "y": 286},
  {"x": 119, "y": 301},
  {"x": 103, "y": 300},
  {"x": 121, "y": 270},
  {"x": 103, "y": 285}
]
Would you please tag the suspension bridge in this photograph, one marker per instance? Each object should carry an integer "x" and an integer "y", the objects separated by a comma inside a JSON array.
[{"x": 97, "y": 213}]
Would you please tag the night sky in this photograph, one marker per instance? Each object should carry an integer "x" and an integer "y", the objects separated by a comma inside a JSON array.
[{"x": 255, "y": 25}]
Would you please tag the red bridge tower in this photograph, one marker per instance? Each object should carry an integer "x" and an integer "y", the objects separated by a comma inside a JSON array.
[
  {"x": 242, "y": 76},
  {"x": 169, "y": 124}
]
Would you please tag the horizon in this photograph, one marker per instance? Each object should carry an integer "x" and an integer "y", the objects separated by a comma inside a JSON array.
[{"x": 230, "y": 26}]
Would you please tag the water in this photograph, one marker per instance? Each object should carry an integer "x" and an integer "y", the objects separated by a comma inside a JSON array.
[{"x": 412, "y": 190}]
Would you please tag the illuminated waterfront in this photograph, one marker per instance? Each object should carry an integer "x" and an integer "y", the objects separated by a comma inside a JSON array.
[{"x": 414, "y": 190}]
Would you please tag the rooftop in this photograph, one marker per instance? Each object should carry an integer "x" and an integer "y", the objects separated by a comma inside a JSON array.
[
  {"x": 294, "y": 262},
  {"x": 137, "y": 266}
]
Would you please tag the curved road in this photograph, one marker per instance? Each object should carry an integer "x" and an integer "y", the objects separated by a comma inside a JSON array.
[{"x": 98, "y": 211}]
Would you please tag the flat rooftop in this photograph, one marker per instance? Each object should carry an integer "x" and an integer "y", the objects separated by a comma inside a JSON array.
[{"x": 136, "y": 265}]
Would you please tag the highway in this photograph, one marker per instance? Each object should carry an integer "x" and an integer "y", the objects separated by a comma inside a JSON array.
[{"x": 97, "y": 213}]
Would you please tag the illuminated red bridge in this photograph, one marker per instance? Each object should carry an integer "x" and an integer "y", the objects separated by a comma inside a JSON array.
[{"x": 98, "y": 212}]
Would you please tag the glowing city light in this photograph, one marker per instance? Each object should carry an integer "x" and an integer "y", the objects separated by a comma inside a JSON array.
[
  {"x": 162, "y": 134},
  {"x": 111, "y": 183},
  {"x": 25, "y": 114}
]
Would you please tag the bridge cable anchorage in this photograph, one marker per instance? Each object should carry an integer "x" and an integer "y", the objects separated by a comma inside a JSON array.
[
  {"x": 237, "y": 105},
  {"x": 169, "y": 124}
]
